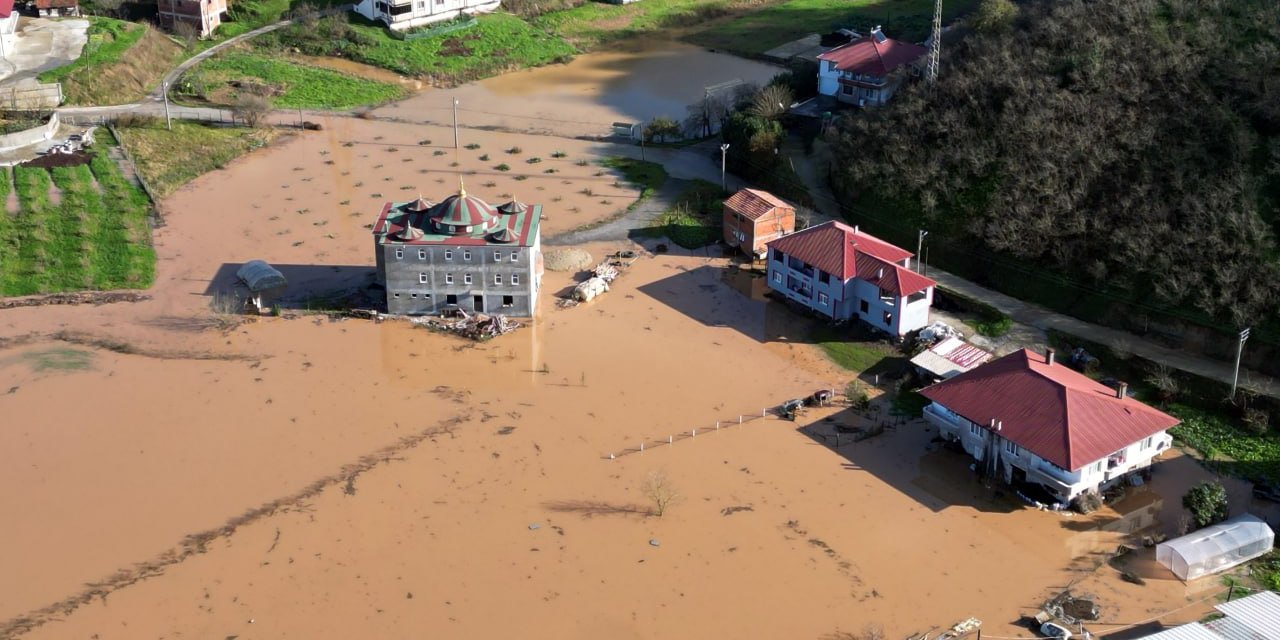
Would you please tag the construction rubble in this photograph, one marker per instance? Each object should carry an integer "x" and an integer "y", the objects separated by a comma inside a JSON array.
[
  {"x": 601, "y": 277},
  {"x": 477, "y": 326}
]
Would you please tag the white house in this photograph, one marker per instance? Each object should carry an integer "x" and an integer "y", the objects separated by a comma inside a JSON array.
[
  {"x": 842, "y": 273},
  {"x": 1028, "y": 419},
  {"x": 868, "y": 70},
  {"x": 8, "y": 27},
  {"x": 407, "y": 14}
]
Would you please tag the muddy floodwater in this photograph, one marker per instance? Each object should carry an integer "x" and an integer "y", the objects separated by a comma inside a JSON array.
[
  {"x": 170, "y": 472},
  {"x": 636, "y": 82}
]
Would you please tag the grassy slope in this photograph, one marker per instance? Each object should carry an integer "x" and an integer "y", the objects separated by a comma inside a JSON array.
[
  {"x": 759, "y": 31},
  {"x": 304, "y": 86},
  {"x": 119, "y": 64},
  {"x": 170, "y": 159},
  {"x": 595, "y": 23},
  {"x": 695, "y": 220}
]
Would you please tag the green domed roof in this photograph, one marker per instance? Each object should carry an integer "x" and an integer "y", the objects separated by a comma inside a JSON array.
[{"x": 461, "y": 212}]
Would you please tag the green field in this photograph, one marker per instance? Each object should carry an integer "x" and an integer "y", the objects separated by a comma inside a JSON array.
[
  {"x": 170, "y": 159},
  {"x": 96, "y": 237},
  {"x": 108, "y": 39},
  {"x": 303, "y": 86},
  {"x": 594, "y": 23},
  {"x": 756, "y": 32},
  {"x": 1215, "y": 436},
  {"x": 694, "y": 221}
]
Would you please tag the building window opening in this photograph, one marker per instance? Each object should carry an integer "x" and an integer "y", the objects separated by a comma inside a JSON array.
[{"x": 508, "y": 301}]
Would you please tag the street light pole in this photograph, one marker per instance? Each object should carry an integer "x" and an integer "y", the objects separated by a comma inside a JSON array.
[
  {"x": 455, "y": 123},
  {"x": 724, "y": 150},
  {"x": 168, "y": 122},
  {"x": 920, "y": 248},
  {"x": 1235, "y": 379}
]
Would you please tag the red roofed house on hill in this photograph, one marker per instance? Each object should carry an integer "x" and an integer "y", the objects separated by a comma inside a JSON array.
[
  {"x": 868, "y": 70},
  {"x": 203, "y": 15},
  {"x": 57, "y": 8},
  {"x": 842, "y": 273},
  {"x": 752, "y": 218},
  {"x": 1028, "y": 419},
  {"x": 462, "y": 253}
]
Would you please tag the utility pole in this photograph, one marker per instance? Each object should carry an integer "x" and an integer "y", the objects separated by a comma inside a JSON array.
[
  {"x": 1235, "y": 379},
  {"x": 168, "y": 122},
  {"x": 455, "y": 123},
  {"x": 920, "y": 249},
  {"x": 935, "y": 42},
  {"x": 724, "y": 150}
]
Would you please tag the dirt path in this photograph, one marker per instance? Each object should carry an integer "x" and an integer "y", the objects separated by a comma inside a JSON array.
[{"x": 637, "y": 217}]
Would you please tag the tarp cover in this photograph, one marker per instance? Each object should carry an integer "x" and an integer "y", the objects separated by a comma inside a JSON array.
[
  {"x": 1216, "y": 548},
  {"x": 260, "y": 276}
]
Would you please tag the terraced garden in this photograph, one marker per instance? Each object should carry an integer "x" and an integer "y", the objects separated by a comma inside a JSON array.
[{"x": 75, "y": 228}]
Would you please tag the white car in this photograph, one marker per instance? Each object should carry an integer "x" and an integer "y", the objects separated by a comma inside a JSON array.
[{"x": 1055, "y": 630}]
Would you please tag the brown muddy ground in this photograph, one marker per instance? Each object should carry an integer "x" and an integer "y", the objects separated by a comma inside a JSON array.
[{"x": 351, "y": 479}]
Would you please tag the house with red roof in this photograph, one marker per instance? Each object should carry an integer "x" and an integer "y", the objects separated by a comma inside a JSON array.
[
  {"x": 842, "y": 273},
  {"x": 57, "y": 8},
  {"x": 753, "y": 217},
  {"x": 867, "y": 71},
  {"x": 1030, "y": 420},
  {"x": 462, "y": 253},
  {"x": 204, "y": 16}
]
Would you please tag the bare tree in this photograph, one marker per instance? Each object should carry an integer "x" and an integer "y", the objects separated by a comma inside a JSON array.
[
  {"x": 772, "y": 101},
  {"x": 659, "y": 490},
  {"x": 252, "y": 109},
  {"x": 187, "y": 32}
]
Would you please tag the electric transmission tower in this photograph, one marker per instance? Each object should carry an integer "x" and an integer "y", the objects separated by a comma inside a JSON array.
[{"x": 935, "y": 42}]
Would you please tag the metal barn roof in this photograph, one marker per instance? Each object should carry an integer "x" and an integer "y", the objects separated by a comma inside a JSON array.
[{"x": 1259, "y": 612}]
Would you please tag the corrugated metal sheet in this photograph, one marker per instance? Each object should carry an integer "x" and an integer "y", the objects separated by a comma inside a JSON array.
[
  {"x": 950, "y": 358},
  {"x": 1229, "y": 629},
  {"x": 1260, "y": 613},
  {"x": 1193, "y": 631}
]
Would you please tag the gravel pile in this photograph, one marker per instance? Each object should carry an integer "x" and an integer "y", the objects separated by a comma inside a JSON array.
[{"x": 568, "y": 259}]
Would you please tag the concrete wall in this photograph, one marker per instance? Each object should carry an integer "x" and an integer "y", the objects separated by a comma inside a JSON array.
[
  {"x": 29, "y": 136},
  {"x": 403, "y": 269}
]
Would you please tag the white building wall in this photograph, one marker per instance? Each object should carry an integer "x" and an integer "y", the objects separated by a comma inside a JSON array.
[
  {"x": 915, "y": 315},
  {"x": 424, "y": 12}
]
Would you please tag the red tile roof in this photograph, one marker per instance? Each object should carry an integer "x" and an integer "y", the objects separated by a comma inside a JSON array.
[
  {"x": 56, "y": 4},
  {"x": 845, "y": 252},
  {"x": 754, "y": 204},
  {"x": 872, "y": 56},
  {"x": 1049, "y": 410}
]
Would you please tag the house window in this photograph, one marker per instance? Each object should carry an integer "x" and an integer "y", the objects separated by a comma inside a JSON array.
[
  {"x": 975, "y": 429},
  {"x": 466, "y": 255},
  {"x": 413, "y": 295},
  {"x": 426, "y": 296},
  {"x": 497, "y": 255},
  {"x": 421, "y": 6},
  {"x": 448, "y": 255},
  {"x": 888, "y": 319},
  {"x": 777, "y": 256},
  {"x": 515, "y": 255},
  {"x": 885, "y": 295},
  {"x": 422, "y": 278},
  {"x": 1010, "y": 447},
  {"x": 396, "y": 295},
  {"x": 497, "y": 278},
  {"x": 777, "y": 277},
  {"x": 1146, "y": 444},
  {"x": 847, "y": 90},
  {"x": 1097, "y": 468},
  {"x": 823, "y": 277},
  {"x": 863, "y": 306},
  {"x": 466, "y": 278},
  {"x": 399, "y": 253},
  {"x": 515, "y": 278},
  {"x": 822, "y": 299},
  {"x": 422, "y": 254},
  {"x": 916, "y": 297},
  {"x": 508, "y": 301},
  {"x": 831, "y": 65}
]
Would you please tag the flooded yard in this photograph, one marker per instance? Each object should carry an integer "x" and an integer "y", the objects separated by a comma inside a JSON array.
[{"x": 634, "y": 83}]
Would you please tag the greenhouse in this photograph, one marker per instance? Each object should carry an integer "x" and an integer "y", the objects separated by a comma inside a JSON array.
[{"x": 1216, "y": 548}]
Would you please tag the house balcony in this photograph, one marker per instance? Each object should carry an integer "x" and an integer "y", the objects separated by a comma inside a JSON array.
[
  {"x": 1064, "y": 490},
  {"x": 948, "y": 423},
  {"x": 867, "y": 82},
  {"x": 1055, "y": 474}
]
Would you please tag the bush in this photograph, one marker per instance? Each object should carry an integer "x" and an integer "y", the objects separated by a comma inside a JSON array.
[
  {"x": 1257, "y": 421},
  {"x": 252, "y": 109},
  {"x": 661, "y": 129},
  {"x": 994, "y": 15},
  {"x": 994, "y": 327},
  {"x": 1207, "y": 503},
  {"x": 503, "y": 167}
]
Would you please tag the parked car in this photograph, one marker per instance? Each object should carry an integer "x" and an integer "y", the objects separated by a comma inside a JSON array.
[
  {"x": 1266, "y": 491},
  {"x": 1055, "y": 630}
]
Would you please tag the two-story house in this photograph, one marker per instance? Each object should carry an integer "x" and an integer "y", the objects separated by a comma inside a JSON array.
[
  {"x": 407, "y": 14},
  {"x": 1028, "y": 419},
  {"x": 203, "y": 15},
  {"x": 462, "y": 253},
  {"x": 840, "y": 272},
  {"x": 867, "y": 71},
  {"x": 753, "y": 217}
]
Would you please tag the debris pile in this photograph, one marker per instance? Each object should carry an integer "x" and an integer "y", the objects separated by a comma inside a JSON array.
[
  {"x": 601, "y": 277},
  {"x": 593, "y": 287},
  {"x": 937, "y": 332},
  {"x": 478, "y": 327}
]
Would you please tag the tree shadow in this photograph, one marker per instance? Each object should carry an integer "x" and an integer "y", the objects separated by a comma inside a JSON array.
[{"x": 593, "y": 508}]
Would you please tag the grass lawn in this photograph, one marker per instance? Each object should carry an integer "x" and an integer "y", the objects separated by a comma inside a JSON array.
[
  {"x": 1214, "y": 436},
  {"x": 646, "y": 175},
  {"x": 170, "y": 159},
  {"x": 594, "y": 23},
  {"x": 695, "y": 220},
  {"x": 855, "y": 355},
  {"x": 96, "y": 237},
  {"x": 247, "y": 15},
  {"x": 303, "y": 86},
  {"x": 121, "y": 62},
  {"x": 758, "y": 31}
]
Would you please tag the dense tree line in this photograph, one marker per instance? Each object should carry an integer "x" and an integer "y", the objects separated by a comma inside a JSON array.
[{"x": 1131, "y": 144}]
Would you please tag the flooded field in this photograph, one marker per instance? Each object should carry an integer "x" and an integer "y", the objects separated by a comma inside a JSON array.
[
  {"x": 584, "y": 97},
  {"x": 171, "y": 475}
]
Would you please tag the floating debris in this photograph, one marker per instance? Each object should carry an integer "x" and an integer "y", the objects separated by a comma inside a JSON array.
[{"x": 479, "y": 326}]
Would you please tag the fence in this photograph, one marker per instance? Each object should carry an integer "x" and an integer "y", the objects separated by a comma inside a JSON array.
[
  {"x": 31, "y": 97},
  {"x": 157, "y": 218}
]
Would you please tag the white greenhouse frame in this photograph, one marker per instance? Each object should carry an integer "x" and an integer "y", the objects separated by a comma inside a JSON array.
[{"x": 1216, "y": 548}]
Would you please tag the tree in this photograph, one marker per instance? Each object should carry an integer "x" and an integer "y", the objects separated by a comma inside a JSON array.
[
  {"x": 706, "y": 115},
  {"x": 1207, "y": 503},
  {"x": 187, "y": 32},
  {"x": 109, "y": 8},
  {"x": 659, "y": 490},
  {"x": 994, "y": 15},
  {"x": 252, "y": 108},
  {"x": 661, "y": 128},
  {"x": 771, "y": 102}
]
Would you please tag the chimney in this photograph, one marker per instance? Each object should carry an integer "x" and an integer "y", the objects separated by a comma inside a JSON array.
[
  {"x": 1122, "y": 389},
  {"x": 855, "y": 228},
  {"x": 1049, "y": 356}
]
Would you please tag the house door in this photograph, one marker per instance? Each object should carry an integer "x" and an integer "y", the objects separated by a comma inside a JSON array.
[{"x": 479, "y": 303}]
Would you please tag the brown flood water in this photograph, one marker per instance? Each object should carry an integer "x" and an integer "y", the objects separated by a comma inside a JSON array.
[
  {"x": 633, "y": 83},
  {"x": 385, "y": 482}
]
